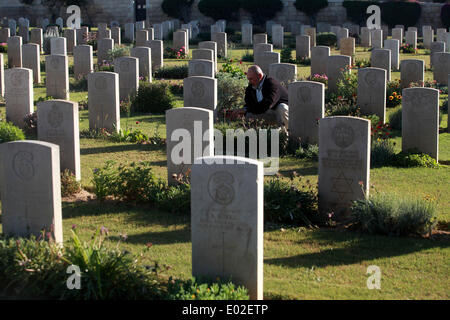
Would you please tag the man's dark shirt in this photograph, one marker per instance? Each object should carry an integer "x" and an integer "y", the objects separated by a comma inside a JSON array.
[{"x": 273, "y": 94}]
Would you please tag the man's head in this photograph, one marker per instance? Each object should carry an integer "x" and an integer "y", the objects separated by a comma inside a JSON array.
[{"x": 254, "y": 75}]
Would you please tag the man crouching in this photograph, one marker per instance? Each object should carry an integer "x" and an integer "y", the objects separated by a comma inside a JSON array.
[{"x": 265, "y": 98}]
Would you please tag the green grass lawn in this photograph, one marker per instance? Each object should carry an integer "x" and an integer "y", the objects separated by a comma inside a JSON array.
[{"x": 298, "y": 263}]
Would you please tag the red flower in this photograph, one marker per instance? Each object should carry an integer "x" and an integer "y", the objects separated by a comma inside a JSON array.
[{"x": 137, "y": 122}]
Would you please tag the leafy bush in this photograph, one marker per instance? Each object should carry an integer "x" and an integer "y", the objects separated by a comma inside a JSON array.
[
  {"x": 206, "y": 290},
  {"x": 395, "y": 119},
  {"x": 218, "y": 9},
  {"x": 153, "y": 98},
  {"x": 407, "y": 48},
  {"x": 393, "y": 89},
  {"x": 286, "y": 55},
  {"x": 405, "y": 13},
  {"x": 231, "y": 91},
  {"x": 130, "y": 135},
  {"x": 356, "y": 10},
  {"x": 105, "y": 66},
  {"x": 79, "y": 84},
  {"x": 390, "y": 215},
  {"x": 322, "y": 78},
  {"x": 326, "y": 39},
  {"x": 179, "y": 9},
  {"x": 247, "y": 57},
  {"x": 118, "y": 52},
  {"x": 382, "y": 153},
  {"x": 342, "y": 107},
  {"x": 347, "y": 86},
  {"x": 262, "y": 10},
  {"x": 445, "y": 15},
  {"x": 9, "y": 132},
  {"x": 444, "y": 106},
  {"x": 310, "y": 151},
  {"x": 362, "y": 63},
  {"x": 172, "y": 72},
  {"x": 36, "y": 268},
  {"x": 414, "y": 158},
  {"x": 171, "y": 53},
  {"x": 235, "y": 70},
  {"x": 284, "y": 202},
  {"x": 69, "y": 184}
]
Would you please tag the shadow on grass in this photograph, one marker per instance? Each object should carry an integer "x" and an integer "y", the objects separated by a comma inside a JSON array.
[
  {"x": 360, "y": 248},
  {"x": 163, "y": 237},
  {"x": 121, "y": 148}
]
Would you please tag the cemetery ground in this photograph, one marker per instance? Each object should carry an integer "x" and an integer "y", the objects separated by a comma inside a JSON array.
[{"x": 299, "y": 263}]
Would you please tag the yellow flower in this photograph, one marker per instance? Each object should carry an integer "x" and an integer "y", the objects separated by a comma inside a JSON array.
[
  {"x": 193, "y": 296},
  {"x": 391, "y": 98}
]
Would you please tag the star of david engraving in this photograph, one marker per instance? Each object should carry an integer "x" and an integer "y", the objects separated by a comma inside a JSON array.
[{"x": 342, "y": 185}]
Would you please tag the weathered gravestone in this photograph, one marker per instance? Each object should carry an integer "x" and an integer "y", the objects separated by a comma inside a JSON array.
[
  {"x": 57, "y": 76},
  {"x": 18, "y": 94},
  {"x": 200, "y": 92},
  {"x": 441, "y": 67},
  {"x": 24, "y": 32},
  {"x": 82, "y": 35},
  {"x": 201, "y": 68},
  {"x": 371, "y": 96},
  {"x": 31, "y": 60},
  {"x": 103, "y": 46},
  {"x": 376, "y": 37},
  {"x": 209, "y": 45},
  {"x": 115, "y": 35},
  {"x": 129, "y": 32},
  {"x": 411, "y": 70},
  {"x": 71, "y": 39},
  {"x": 319, "y": 58},
  {"x": 4, "y": 35},
  {"x": 128, "y": 70},
  {"x": 145, "y": 64},
  {"x": 190, "y": 135},
  {"x": 285, "y": 73},
  {"x": 221, "y": 39},
  {"x": 31, "y": 189},
  {"x": 158, "y": 31},
  {"x": 397, "y": 34},
  {"x": 381, "y": 58},
  {"x": 420, "y": 120},
  {"x": 394, "y": 46},
  {"x": 435, "y": 47},
  {"x": 265, "y": 59},
  {"x": 14, "y": 52},
  {"x": 440, "y": 34},
  {"x": 103, "y": 34},
  {"x": 205, "y": 54},
  {"x": 58, "y": 123},
  {"x": 303, "y": 47},
  {"x": 103, "y": 98},
  {"x": 365, "y": 37},
  {"x": 311, "y": 32},
  {"x": 58, "y": 46},
  {"x": 37, "y": 38},
  {"x": 428, "y": 37},
  {"x": 344, "y": 163},
  {"x": 348, "y": 47},
  {"x": 2, "y": 75},
  {"x": 82, "y": 61},
  {"x": 227, "y": 221},
  {"x": 141, "y": 38},
  {"x": 247, "y": 34},
  {"x": 140, "y": 25},
  {"x": 411, "y": 38},
  {"x": 306, "y": 107},
  {"x": 278, "y": 36},
  {"x": 157, "y": 53},
  {"x": 336, "y": 67}
]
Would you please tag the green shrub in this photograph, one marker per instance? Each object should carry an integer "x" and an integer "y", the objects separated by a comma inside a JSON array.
[
  {"x": 171, "y": 53},
  {"x": 218, "y": 9},
  {"x": 69, "y": 184},
  {"x": 194, "y": 289},
  {"x": 341, "y": 107},
  {"x": 9, "y": 132},
  {"x": 405, "y": 13},
  {"x": 414, "y": 158},
  {"x": 407, "y": 48},
  {"x": 310, "y": 8},
  {"x": 118, "y": 52},
  {"x": 310, "y": 151},
  {"x": 326, "y": 39},
  {"x": 362, "y": 63},
  {"x": 175, "y": 199},
  {"x": 395, "y": 119},
  {"x": 262, "y": 10},
  {"x": 247, "y": 57},
  {"x": 36, "y": 268},
  {"x": 284, "y": 202},
  {"x": 172, "y": 72},
  {"x": 79, "y": 84},
  {"x": 234, "y": 69},
  {"x": 382, "y": 153},
  {"x": 286, "y": 55},
  {"x": 390, "y": 215},
  {"x": 231, "y": 91},
  {"x": 356, "y": 10},
  {"x": 444, "y": 106},
  {"x": 445, "y": 15},
  {"x": 153, "y": 98},
  {"x": 129, "y": 135},
  {"x": 347, "y": 85},
  {"x": 178, "y": 9}
]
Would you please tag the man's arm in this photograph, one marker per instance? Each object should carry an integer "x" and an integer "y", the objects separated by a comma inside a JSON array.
[{"x": 270, "y": 93}]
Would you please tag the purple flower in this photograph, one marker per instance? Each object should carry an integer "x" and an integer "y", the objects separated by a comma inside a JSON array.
[
  {"x": 74, "y": 226},
  {"x": 104, "y": 230}
]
